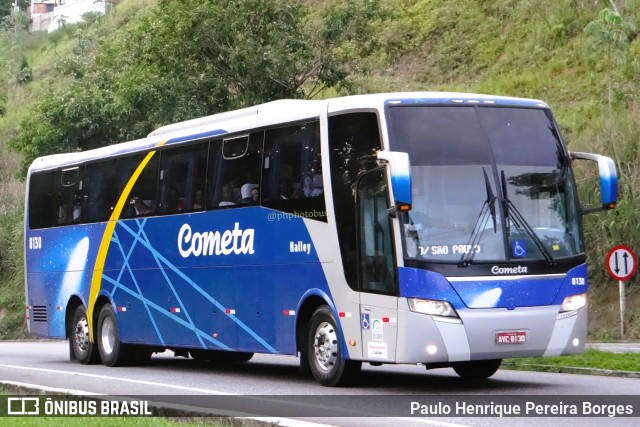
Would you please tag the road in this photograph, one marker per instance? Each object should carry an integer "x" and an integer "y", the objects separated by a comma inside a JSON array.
[{"x": 273, "y": 381}]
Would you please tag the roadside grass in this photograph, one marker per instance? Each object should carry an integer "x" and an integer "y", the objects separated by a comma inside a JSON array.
[{"x": 591, "y": 358}]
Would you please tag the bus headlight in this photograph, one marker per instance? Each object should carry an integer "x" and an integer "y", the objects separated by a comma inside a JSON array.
[
  {"x": 432, "y": 307},
  {"x": 573, "y": 303}
]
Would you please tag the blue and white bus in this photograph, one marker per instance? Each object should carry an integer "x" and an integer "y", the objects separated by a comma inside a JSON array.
[{"x": 441, "y": 229}]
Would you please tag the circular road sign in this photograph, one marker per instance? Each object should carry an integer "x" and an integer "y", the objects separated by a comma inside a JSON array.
[{"x": 621, "y": 263}]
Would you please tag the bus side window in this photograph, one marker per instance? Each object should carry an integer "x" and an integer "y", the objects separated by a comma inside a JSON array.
[
  {"x": 69, "y": 196},
  {"x": 182, "y": 179},
  {"x": 99, "y": 191},
  {"x": 142, "y": 198},
  {"x": 234, "y": 167},
  {"x": 292, "y": 171},
  {"x": 43, "y": 208}
]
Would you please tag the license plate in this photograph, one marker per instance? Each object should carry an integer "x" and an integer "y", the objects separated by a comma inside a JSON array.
[{"x": 511, "y": 337}]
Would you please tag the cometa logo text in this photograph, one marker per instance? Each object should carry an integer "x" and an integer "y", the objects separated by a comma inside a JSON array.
[
  {"x": 509, "y": 270},
  {"x": 236, "y": 241}
]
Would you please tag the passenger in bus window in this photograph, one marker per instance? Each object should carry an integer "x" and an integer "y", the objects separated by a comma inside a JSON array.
[
  {"x": 247, "y": 193},
  {"x": 235, "y": 188},
  {"x": 175, "y": 201},
  {"x": 198, "y": 199},
  {"x": 77, "y": 213},
  {"x": 64, "y": 214},
  {"x": 227, "y": 196},
  {"x": 286, "y": 189},
  {"x": 255, "y": 195},
  {"x": 78, "y": 200},
  {"x": 312, "y": 184}
]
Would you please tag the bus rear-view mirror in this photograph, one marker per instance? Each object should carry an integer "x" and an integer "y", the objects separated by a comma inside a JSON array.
[
  {"x": 399, "y": 168},
  {"x": 608, "y": 180}
]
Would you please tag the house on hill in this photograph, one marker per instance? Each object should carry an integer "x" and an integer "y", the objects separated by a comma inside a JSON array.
[{"x": 49, "y": 15}]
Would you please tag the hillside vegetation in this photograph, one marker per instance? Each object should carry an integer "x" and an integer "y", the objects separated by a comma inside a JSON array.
[{"x": 151, "y": 62}]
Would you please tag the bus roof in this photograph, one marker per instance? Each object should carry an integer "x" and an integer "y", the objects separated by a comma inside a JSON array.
[{"x": 267, "y": 114}]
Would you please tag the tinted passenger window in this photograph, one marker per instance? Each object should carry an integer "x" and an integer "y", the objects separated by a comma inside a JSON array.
[
  {"x": 56, "y": 198},
  {"x": 99, "y": 194},
  {"x": 234, "y": 171},
  {"x": 42, "y": 201},
  {"x": 183, "y": 179},
  {"x": 292, "y": 171},
  {"x": 142, "y": 198},
  {"x": 69, "y": 192}
]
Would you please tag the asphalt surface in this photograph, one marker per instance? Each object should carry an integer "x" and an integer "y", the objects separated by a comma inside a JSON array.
[{"x": 529, "y": 384}]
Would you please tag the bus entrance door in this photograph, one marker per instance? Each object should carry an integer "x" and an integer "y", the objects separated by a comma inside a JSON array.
[{"x": 377, "y": 270}]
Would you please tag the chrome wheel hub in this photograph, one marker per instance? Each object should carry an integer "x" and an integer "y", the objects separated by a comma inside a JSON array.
[
  {"x": 325, "y": 345},
  {"x": 81, "y": 335},
  {"x": 108, "y": 336}
]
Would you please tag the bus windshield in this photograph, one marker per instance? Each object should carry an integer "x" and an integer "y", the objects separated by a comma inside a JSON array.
[{"x": 490, "y": 184}]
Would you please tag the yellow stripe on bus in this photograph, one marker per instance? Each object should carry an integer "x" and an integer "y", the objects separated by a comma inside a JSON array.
[{"x": 96, "y": 279}]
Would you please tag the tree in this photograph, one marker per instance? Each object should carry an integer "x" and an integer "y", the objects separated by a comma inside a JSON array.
[
  {"x": 610, "y": 35},
  {"x": 7, "y": 6},
  {"x": 190, "y": 58}
]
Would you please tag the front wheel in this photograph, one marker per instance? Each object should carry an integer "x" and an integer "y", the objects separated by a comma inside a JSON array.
[
  {"x": 477, "y": 369},
  {"x": 112, "y": 351},
  {"x": 325, "y": 353},
  {"x": 83, "y": 350}
]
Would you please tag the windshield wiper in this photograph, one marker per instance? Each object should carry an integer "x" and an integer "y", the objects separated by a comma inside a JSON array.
[
  {"x": 519, "y": 221},
  {"x": 488, "y": 208}
]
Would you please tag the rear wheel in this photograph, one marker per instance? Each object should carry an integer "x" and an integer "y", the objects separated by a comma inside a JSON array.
[
  {"x": 477, "y": 369},
  {"x": 83, "y": 350},
  {"x": 325, "y": 354},
  {"x": 112, "y": 351}
]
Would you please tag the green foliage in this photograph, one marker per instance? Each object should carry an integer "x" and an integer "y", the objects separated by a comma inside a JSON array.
[
  {"x": 7, "y": 6},
  {"x": 25, "y": 73},
  {"x": 3, "y": 101},
  {"x": 12, "y": 322},
  {"x": 610, "y": 34},
  {"x": 190, "y": 58}
]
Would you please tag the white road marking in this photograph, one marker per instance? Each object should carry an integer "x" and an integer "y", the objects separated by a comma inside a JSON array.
[{"x": 128, "y": 380}]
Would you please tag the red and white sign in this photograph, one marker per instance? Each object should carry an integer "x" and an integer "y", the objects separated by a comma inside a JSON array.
[{"x": 621, "y": 263}]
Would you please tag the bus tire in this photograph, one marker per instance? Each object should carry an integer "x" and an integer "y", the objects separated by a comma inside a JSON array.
[
  {"x": 304, "y": 368},
  {"x": 324, "y": 352},
  {"x": 112, "y": 351},
  {"x": 83, "y": 350},
  {"x": 477, "y": 369}
]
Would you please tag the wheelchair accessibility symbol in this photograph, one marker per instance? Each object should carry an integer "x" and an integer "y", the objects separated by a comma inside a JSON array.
[
  {"x": 366, "y": 324},
  {"x": 519, "y": 249}
]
